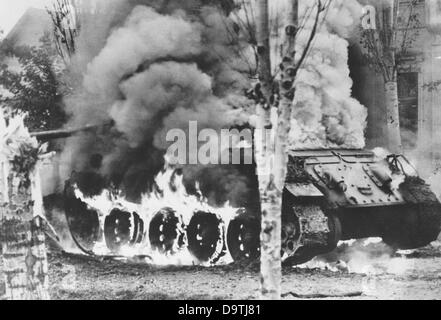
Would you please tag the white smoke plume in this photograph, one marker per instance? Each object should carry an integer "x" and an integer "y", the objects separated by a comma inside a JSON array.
[{"x": 325, "y": 114}]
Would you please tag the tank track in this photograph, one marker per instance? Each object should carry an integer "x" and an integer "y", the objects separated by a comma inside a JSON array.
[
  {"x": 419, "y": 221},
  {"x": 307, "y": 232},
  {"x": 206, "y": 236}
]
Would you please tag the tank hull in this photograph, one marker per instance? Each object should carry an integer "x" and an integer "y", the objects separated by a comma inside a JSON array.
[
  {"x": 329, "y": 196},
  {"x": 362, "y": 196}
]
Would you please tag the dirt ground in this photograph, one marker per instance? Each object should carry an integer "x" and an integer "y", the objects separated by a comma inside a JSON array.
[{"x": 416, "y": 275}]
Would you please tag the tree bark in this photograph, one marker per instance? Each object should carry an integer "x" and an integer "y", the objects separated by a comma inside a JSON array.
[
  {"x": 270, "y": 197},
  {"x": 393, "y": 118},
  {"x": 287, "y": 93},
  {"x": 271, "y": 267},
  {"x": 390, "y": 18},
  {"x": 24, "y": 257},
  {"x": 263, "y": 49},
  {"x": 272, "y": 153}
]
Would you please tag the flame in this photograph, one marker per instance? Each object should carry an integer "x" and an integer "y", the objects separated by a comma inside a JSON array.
[
  {"x": 170, "y": 193},
  {"x": 364, "y": 258}
]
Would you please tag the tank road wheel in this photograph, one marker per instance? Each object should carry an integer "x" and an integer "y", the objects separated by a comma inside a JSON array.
[
  {"x": 243, "y": 238},
  {"x": 335, "y": 234},
  {"x": 117, "y": 230},
  {"x": 138, "y": 232},
  {"x": 83, "y": 222},
  {"x": 166, "y": 231},
  {"x": 290, "y": 237},
  {"x": 205, "y": 237}
]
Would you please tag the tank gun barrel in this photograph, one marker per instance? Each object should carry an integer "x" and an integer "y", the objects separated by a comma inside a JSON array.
[{"x": 64, "y": 133}]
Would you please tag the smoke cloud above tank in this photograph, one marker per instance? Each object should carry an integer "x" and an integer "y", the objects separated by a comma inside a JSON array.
[
  {"x": 161, "y": 64},
  {"x": 325, "y": 115},
  {"x": 145, "y": 67}
]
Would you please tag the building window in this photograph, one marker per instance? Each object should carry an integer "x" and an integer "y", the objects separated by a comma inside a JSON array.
[{"x": 408, "y": 99}]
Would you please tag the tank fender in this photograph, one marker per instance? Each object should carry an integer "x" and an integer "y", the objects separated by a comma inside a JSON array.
[{"x": 303, "y": 190}]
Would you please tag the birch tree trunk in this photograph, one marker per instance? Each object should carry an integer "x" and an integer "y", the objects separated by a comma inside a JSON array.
[
  {"x": 393, "y": 118},
  {"x": 270, "y": 197},
  {"x": 287, "y": 93},
  {"x": 390, "y": 16},
  {"x": 290, "y": 68},
  {"x": 2, "y": 277},
  {"x": 24, "y": 257},
  {"x": 272, "y": 153},
  {"x": 272, "y": 194}
]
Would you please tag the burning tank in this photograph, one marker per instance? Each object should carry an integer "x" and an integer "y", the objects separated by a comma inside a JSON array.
[
  {"x": 169, "y": 227},
  {"x": 334, "y": 195},
  {"x": 329, "y": 196}
]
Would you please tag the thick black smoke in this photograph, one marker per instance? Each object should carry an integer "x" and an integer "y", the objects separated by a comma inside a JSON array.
[{"x": 148, "y": 67}]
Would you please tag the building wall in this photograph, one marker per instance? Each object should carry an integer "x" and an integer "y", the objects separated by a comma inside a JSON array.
[
  {"x": 30, "y": 28},
  {"x": 423, "y": 63},
  {"x": 425, "y": 60}
]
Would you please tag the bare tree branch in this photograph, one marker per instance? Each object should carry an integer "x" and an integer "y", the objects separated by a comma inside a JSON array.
[
  {"x": 320, "y": 8},
  {"x": 263, "y": 49},
  {"x": 65, "y": 27}
]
